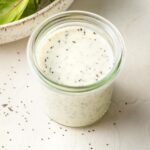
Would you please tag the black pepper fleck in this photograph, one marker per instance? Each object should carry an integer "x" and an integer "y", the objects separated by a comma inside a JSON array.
[
  {"x": 114, "y": 123},
  {"x": 101, "y": 72},
  {"x": 80, "y": 80},
  {"x": 4, "y": 105},
  {"x": 51, "y": 47},
  {"x": 10, "y": 109},
  {"x": 97, "y": 75},
  {"x": 66, "y": 35}
]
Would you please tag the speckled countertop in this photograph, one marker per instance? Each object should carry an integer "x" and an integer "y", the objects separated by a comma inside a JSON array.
[{"x": 127, "y": 124}]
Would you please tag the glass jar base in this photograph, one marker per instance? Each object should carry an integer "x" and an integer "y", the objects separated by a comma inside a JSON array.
[{"x": 73, "y": 125}]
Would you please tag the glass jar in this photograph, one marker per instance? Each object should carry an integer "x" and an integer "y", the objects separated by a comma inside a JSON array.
[{"x": 71, "y": 105}]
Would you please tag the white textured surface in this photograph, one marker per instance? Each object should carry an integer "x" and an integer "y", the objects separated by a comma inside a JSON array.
[{"x": 127, "y": 124}]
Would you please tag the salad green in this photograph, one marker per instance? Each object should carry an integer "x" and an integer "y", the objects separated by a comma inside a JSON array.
[{"x": 12, "y": 10}]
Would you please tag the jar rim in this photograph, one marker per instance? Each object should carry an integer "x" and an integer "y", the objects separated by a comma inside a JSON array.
[{"x": 108, "y": 79}]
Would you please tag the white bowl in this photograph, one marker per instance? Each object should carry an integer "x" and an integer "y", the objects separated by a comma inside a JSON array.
[{"x": 23, "y": 27}]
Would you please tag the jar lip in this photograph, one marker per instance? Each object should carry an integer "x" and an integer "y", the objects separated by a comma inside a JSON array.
[{"x": 75, "y": 89}]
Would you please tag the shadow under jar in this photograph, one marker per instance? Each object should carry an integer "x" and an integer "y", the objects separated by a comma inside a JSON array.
[{"x": 76, "y": 55}]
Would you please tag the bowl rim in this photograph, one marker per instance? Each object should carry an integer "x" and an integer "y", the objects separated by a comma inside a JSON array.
[{"x": 41, "y": 11}]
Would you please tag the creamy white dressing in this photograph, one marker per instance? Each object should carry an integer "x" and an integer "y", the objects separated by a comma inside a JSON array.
[{"x": 75, "y": 56}]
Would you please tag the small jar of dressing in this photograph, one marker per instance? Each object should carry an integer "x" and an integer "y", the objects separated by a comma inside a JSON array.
[{"x": 76, "y": 55}]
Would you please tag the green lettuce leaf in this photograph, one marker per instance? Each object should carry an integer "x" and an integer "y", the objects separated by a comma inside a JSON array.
[
  {"x": 11, "y": 10},
  {"x": 31, "y": 8}
]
